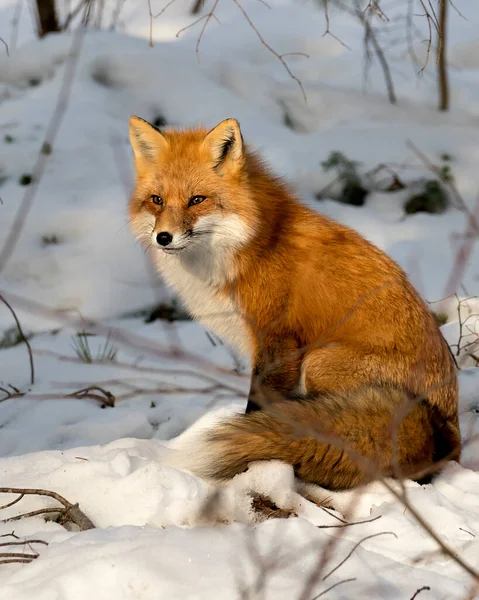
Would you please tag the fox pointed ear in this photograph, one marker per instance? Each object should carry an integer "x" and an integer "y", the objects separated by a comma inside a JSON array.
[
  {"x": 147, "y": 142},
  {"x": 225, "y": 144}
]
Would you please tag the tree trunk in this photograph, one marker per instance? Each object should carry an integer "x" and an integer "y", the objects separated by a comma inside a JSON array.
[
  {"x": 47, "y": 21},
  {"x": 442, "y": 57}
]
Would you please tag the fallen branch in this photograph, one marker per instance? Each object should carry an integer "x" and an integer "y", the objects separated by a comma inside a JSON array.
[
  {"x": 19, "y": 557},
  {"x": 69, "y": 514},
  {"x": 105, "y": 397}
]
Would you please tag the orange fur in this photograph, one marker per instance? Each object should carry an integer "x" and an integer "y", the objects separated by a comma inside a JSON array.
[{"x": 320, "y": 311}]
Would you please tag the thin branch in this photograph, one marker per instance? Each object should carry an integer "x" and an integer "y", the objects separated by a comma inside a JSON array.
[
  {"x": 76, "y": 11},
  {"x": 370, "y": 36},
  {"x": 346, "y": 524},
  {"x": 208, "y": 18},
  {"x": 280, "y": 57},
  {"x": 368, "y": 537},
  {"x": 104, "y": 397},
  {"x": 23, "y": 543},
  {"x": 429, "y": 38},
  {"x": 33, "y": 513},
  {"x": 333, "y": 586},
  {"x": 183, "y": 29},
  {"x": 152, "y": 16},
  {"x": 70, "y": 513},
  {"x": 24, "y": 339},
  {"x": 417, "y": 592},
  {"x": 6, "y": 45},
  {"x": 15, "y": 24},
  {"x": 12, "y": 503},
  {"x": 15, "y": 560},
  {"x": 328, "y": 31},
  {"x": 423, "y": 523},
  {"x": 50, "y": 136}
]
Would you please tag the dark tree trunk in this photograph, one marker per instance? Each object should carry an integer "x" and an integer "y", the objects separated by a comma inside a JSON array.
[
  {"x": 442, "y": 57},
  {"x": 47, "y": 21}
]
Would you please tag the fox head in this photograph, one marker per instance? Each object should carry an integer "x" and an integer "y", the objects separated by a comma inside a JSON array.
[{"x": 191, "y": 194}]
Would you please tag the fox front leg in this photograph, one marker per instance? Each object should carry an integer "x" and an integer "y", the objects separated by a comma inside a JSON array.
[{"x": 275, "y": 374}]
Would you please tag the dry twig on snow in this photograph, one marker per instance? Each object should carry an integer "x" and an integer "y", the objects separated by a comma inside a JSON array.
[{"x": 70, "y": 514}]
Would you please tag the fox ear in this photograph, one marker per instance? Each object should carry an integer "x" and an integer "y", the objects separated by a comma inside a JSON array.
[
  {"x": 147, "y": 142},
  {"x": 225, "y": 144}
]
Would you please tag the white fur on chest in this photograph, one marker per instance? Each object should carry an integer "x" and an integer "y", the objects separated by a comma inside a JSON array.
[
  {"x": 204, "y": 302},
  {"x": 198, "y": 274}
]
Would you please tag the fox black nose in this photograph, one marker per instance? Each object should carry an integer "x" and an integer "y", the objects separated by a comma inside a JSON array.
[{"x": 164, "y": 238}]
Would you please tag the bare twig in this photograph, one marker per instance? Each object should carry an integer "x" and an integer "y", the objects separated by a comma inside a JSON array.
[
  {"x": 211, "y": 14},
  {"x": 6, "y": 46},
  {"x": 24, "y": 338},
  {"x": 348, "y": 524},
  {"x": 280, "y": 57},
  {"x": 23, "y": 543},
  {"x": 464, "y": 251},
  {"x": 74, "y": 13},
  {"x": 471, "y": 234},
  {"x": 417, "y": 592},
  {"x": 152, "y": 16},
  {"x": 15, "y": 25},
  {"x": 370, "y": 37},
  {"x": 429, "y": 20},
  {"x": 105, "y": 397},
  {"x": 50, "y": 136},
  {"x": 33, "y": 513},
  {"x": 12, "y": 503},
  {"x": 205, "y": 18},
  {"x": 328, "y": 31},
  {"x": 423, "y": 523},
  {"x": 208, "y": 18},
  {"x": 122, "y": 337},
  {"x": 70, "y": 513},
  {"x": 333, "y": 586},
  {"x": 368, "y": 537}
]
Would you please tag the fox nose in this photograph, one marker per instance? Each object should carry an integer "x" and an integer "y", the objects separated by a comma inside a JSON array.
[{"x": 164, "y": 238}]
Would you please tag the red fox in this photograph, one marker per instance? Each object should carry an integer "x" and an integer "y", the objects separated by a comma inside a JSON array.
[{"x": 351, "y": 379}]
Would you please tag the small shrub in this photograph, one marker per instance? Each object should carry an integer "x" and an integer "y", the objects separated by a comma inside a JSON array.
[
  {"x": 352, "y": 190},
  {"x": 433, "y": 199},
  {"x": 81, "y": 346},
  {"x": 8, "y": 139}
]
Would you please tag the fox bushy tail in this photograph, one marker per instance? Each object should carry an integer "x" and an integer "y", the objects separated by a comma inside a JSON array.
[{"x": 336, "y": 441}]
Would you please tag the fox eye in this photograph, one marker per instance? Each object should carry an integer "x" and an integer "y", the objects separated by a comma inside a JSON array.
[
  {"x": 157, "y": 200},
  {"x": 196, "y": 200}
]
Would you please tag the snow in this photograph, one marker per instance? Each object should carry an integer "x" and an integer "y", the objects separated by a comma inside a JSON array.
[{"x": 161, "y": 531}]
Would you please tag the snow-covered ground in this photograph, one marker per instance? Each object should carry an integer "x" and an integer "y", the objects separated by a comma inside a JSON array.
[{"x": 161, "y": 532}]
